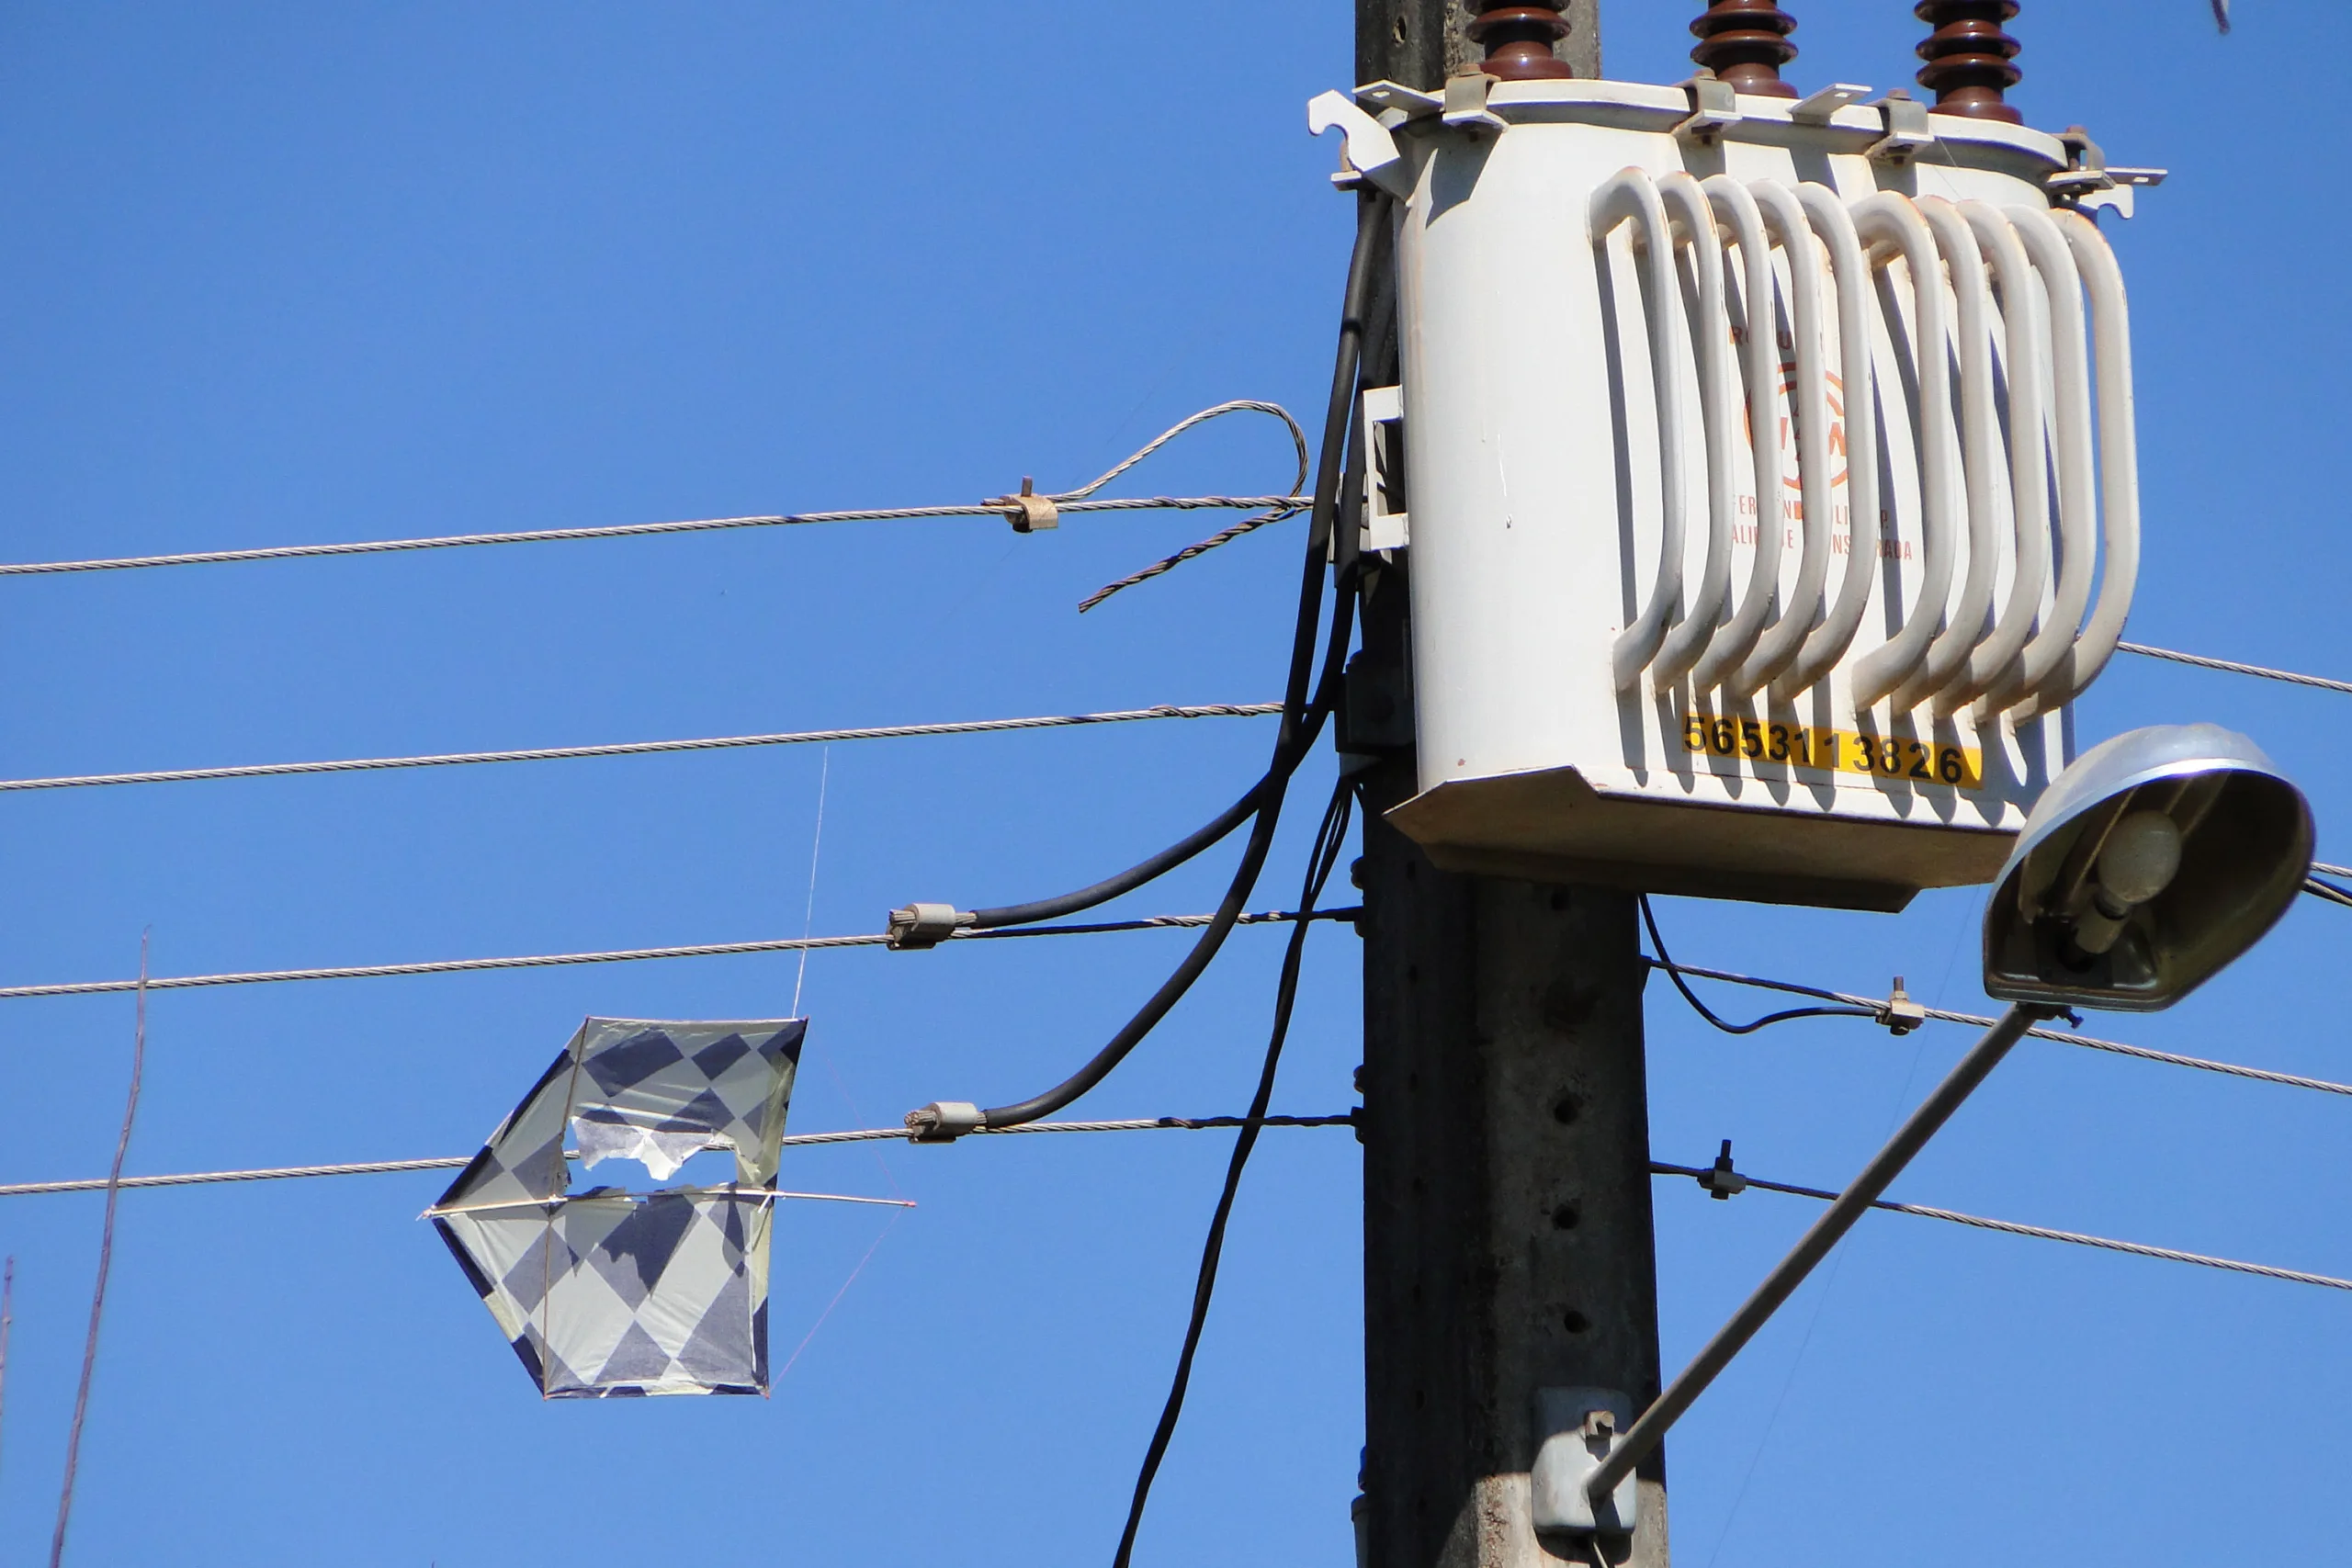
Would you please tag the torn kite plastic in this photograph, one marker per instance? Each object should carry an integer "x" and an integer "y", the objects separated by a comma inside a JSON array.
[{"x": 607, "y": 1292}]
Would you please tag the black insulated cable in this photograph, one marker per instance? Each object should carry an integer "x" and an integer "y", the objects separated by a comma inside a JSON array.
[
  {"x": 1329, "y": 840},
  {"x": 1128, "y": 881},
  {"x": 1339, "y": 418},
  {"x": 1337, "y": 487},
  {"x": 1666, "y": 961}
]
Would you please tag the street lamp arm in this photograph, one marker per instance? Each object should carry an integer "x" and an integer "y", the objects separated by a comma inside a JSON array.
[{"x": 1645, "y": 1434}]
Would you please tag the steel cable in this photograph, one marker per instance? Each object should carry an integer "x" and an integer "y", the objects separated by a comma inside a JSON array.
[
  {"x": 2089, "y": 1043},
  {"x": 1077, "y": 500},
  {"x": 794, "y": 1140},
  {"x": 633, "y": 530},
  {"x": 2011, "y": 1227},
  {"x": 2232, "y": 667},
  {"x": 650, "y": 748},
  {"x": 624, "y": 955}
]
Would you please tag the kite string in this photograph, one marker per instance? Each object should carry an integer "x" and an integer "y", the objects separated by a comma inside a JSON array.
[
  {"x": 795, "y": 1357},
  {"x": 816, "y": 846},
  {"x": 105, "y": 1265},
  {"x": 808, "y": 924}
]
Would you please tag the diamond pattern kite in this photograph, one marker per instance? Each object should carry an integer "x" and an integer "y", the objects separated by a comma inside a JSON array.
[{"x": 607, "y": 1292}]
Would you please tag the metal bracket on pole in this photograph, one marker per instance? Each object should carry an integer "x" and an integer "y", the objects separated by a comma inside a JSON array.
[
  {"x": 1577, "y": 1429},
  {"x": 1367, "y": 151}
]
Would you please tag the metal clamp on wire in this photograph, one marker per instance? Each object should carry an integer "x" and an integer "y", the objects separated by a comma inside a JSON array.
[
  {"x": 1029, "y": 512},
  {"x": 1720, "y": 1179},
  {"x": 919, "y": 926},
  {"x": 943, "y": 1122},
  {"x": 1899, "y": 1012}
]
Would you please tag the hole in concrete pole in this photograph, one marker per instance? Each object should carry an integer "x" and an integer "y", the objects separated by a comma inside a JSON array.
[
  {"x": 1559, "y": 900},
  {"x": 1564, "y": 1217},
  {"x": 1565, "y": 1109},
  {"x": 1575, "y": 1322}
]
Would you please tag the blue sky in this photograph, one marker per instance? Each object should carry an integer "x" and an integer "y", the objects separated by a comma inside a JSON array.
[{"x": 278, "y": 274}]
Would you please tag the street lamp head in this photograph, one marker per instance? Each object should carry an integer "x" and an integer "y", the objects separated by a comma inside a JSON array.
[{"x": 2148, "y": 865}]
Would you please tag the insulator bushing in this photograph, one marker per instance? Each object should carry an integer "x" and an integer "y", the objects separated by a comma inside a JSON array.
[
  {"x": 1968, "y": 57},
  {"x": 1746, "y": 42},
  {"x": 1518, "y": 39}
]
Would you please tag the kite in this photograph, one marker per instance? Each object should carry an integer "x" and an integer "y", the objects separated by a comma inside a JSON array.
[{"x": 607, "y": 1292}]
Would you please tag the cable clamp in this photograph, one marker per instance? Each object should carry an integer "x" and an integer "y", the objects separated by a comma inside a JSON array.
[
  {"x": 1714, "y": 108},
  {"x": 1907, "y": 136},
  {"x": 920, "y": 926},
  {"x": 1028, "y": 512},
  {"x": 1721, "y": 1180},
  {"x": 1465, "y": 104},
  {"x": 1900, "y": 1013},
  {"x": 2089, "y": 182},
  {"x": 943, "y": 1122}
]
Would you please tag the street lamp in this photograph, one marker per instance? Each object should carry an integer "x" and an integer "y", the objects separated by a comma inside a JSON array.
[{"x": 2149, "y": 865}]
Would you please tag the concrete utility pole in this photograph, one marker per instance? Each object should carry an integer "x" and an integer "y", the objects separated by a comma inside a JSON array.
[{"x": 1508, "y": 1242}]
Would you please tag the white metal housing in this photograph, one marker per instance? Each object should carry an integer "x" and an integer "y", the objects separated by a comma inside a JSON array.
[{"x": 1625, "y": 669}]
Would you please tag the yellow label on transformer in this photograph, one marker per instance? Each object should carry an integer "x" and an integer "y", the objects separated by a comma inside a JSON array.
[{"x": 1835, "y": 750}]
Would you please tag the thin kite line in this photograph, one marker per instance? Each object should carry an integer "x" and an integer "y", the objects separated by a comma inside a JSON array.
[
  {"x": 816, "y": 844},
  {"x": 795, "y": 1358}
]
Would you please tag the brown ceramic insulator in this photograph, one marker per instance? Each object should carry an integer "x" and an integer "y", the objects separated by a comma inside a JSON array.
[
  {"x": 1968, "y": 57},
  {"x": 1746, "y": 42},
  {"x": 1518, "y": 39}
]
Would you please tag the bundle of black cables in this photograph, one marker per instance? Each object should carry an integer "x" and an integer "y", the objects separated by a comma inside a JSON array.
[{"x": 1308, "y": 702}]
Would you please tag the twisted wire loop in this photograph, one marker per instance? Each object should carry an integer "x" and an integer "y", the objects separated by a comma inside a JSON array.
[
  {"x": 1239, "y": 405},
  {"x": 2012, "y": 1227},
  {"x": 648, "y": 748},
  {"x": 624, "y": 955},
  {"x": 1080, "y": 500},
  {"x": 801, "y": 1140},
  {"x": 1169, "y": 563},
  {"x": 1289, "y": 506}
]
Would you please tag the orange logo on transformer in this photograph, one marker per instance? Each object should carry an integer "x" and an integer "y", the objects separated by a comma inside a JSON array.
[{"x": 1787, "y": 394}]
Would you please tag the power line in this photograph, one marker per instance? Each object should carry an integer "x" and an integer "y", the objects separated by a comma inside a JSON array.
[
  {"x": 1024, "y": 510},
  {"x": 630, "y": 955},
  {"x": 648, "y": 747},
  {"x": 1706, "y": 1177},
  {"x": 2091, "y": 1042},
  {"x": 801, "y": 1140},
  {"x": 1287, "y": 505},
  {"x": 2232, "y": 667}
]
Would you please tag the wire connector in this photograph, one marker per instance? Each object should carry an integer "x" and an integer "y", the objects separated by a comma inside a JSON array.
[
  {"x": 943, "y": 1122},
  {"x": 1028, "y": 512},
  {"x": 1900, "y": 1013},
  {"x": 920, "y": 926},
  {"x": 1721, "y": 1180}
]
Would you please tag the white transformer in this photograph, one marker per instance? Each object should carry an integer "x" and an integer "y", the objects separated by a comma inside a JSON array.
[{"x": 1768, "y": 484}]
